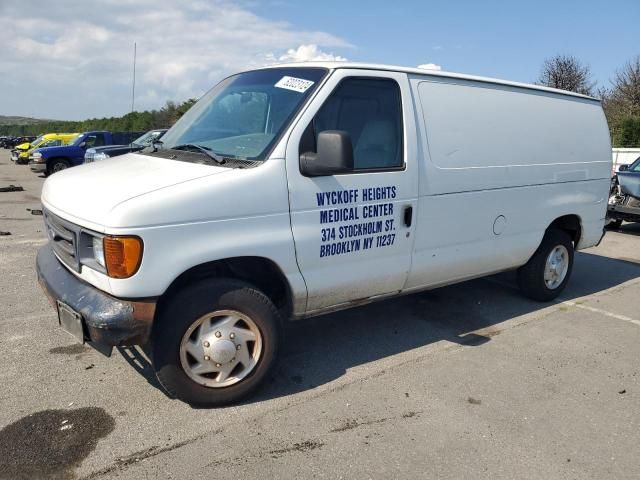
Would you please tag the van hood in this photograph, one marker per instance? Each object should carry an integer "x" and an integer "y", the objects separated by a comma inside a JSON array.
[
  {"x": 88, "y": 193},
  {"x": 23, "y": 146}
]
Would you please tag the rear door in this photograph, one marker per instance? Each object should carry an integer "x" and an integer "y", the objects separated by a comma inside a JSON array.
[{"x": 353, "y": 231}]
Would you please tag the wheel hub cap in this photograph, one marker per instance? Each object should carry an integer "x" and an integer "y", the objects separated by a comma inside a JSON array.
[
  {"x": 221, "y": 351},
  {"x": 556, "y": 267},
  {"x": 221, "y": 348}
]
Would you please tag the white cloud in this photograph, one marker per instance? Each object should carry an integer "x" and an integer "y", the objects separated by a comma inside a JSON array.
[
  {"x": 430, "y": 66},
  {"x": 308, "y": 53},
  {"x": 75, "y": 62}
]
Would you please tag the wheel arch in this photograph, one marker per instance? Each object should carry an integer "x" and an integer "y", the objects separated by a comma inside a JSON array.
[
  {"x": 50, "y": 160},
  {"x": 571, "y": 224},
  {"x": 260, "y": 272}
]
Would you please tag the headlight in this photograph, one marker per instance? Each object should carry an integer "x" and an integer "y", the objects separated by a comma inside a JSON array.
[
  {"x": 119, "y": 256},
  {"x": 100, "y": 156},
  {"x": 88, "y": 156},
  {"x": 98, "y": 251}
]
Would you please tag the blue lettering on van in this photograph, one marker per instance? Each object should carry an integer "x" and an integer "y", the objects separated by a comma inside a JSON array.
[
  {"x": 337, "y": 197},
  {"x": 357, "y": 227},
  {"x": 378, "y": 193},
  {"x": 339, "y": 215},
  {"x": 339, "y": 248}
]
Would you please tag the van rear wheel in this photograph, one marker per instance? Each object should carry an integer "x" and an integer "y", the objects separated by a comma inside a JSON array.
[
  {"x": 215, "y": 342},
  {"x": 547, "y": 272}
]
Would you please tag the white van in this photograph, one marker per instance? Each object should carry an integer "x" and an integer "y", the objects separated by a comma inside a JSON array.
[{"x": 295, "y": 190}]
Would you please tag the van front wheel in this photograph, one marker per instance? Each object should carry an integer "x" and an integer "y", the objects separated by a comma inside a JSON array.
[
  {"x": 215, "y": 342},
  {"x": 547, "y": 272}
]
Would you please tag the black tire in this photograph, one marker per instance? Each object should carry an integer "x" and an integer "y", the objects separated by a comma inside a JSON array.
[
  {"x": 187, "y": 307},
  {"x": 56, "y": 165},
  {"x": 531, "y": 275}
]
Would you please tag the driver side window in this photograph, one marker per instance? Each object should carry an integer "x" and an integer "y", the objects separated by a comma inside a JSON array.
[
  {"x": 370, "y": 111},
  {"x": 96, "y": 140}
]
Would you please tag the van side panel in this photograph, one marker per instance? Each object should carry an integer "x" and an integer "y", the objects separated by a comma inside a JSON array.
[
  {"x": 481, "y": 136},
  {"x": 500, "y": 164},
  {"x": 455, "y": 233}
]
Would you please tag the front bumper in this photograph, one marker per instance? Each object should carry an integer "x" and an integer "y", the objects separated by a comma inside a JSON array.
[
  {"x": 622, "y": 212},
  {"x": 38, "y": 167},
  {"x": 22, "y": 159},
  {"x": 107, "y": 321}
]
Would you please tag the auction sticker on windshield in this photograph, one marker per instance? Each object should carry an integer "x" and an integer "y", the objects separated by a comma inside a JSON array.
[{"x": 292, "y": 83}]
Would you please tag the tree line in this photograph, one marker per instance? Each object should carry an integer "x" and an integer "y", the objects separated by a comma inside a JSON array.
[
  {"x": 165, "y": 117},
  {"x": 620, "y": 100}
]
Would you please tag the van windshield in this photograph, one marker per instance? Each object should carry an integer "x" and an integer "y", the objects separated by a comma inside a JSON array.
[{"x": 243, "y": 116}]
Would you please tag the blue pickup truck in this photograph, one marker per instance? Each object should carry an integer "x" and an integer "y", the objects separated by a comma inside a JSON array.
[{"x": 53, "y": 159}]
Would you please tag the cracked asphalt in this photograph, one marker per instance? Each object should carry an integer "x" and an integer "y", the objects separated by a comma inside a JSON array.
[{"x": 466, "y": 381}]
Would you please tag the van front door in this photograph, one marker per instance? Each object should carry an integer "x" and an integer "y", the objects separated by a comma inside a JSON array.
[{"x": 353, "y": 231}]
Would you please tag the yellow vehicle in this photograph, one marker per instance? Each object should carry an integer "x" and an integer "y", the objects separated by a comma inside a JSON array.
[{"x": 21, "y": 152}]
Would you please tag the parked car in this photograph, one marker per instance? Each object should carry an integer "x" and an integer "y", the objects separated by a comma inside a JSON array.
[
  {"x": 295, "y": 190},
  {"x": 7, "y": 141},
  {"x": 624, "y": 197},
  {"x": 21, "y": 153},
  {"x": 11, "y": 142},
  {"x": 102, "y": 153},
  {"x": 53, "y": 159}
]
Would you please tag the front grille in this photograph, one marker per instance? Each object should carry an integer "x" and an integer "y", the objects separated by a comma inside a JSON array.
[{"x": 64, "y": 238}]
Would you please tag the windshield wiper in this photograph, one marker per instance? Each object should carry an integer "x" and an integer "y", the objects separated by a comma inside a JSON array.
[{"x": 204, "y": 150}]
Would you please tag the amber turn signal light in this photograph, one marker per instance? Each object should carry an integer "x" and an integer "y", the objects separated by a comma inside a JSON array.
[{"x": 122, "y": 256}]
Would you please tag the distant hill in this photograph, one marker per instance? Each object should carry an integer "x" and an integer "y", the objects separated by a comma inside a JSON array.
[
  {"x": 11, "y": 120},
  {"x": 131, "y": 122}
]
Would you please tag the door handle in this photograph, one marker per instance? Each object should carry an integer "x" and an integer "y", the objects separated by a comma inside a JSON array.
[{"x": 408, "y": 215}]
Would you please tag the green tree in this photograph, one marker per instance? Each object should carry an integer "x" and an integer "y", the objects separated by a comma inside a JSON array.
[
  {"x": 627, "y": 133},
  {"x": 622, "y": 105},
  {"x": 131, "y": 122}
]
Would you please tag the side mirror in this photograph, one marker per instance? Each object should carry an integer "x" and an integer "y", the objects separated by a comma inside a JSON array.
[
  {"x": 623, "y": 168},
  {"x": 335, "y": 155},
  {"x": 83, "y": 144},
  {"x": 156, "y": 144}
]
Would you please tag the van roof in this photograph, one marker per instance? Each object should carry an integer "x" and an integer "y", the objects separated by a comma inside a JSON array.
[{"x": 431, "y": 73}]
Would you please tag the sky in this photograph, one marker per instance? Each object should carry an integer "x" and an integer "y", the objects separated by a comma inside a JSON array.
[{"x": 72, "y": 59}]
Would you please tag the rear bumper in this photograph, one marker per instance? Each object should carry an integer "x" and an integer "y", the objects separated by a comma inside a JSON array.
[{"x": 107, "y": 321}]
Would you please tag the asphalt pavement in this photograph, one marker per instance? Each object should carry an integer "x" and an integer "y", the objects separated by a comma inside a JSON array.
[{"x": 466, "y": 381}]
